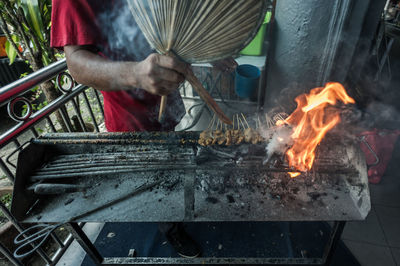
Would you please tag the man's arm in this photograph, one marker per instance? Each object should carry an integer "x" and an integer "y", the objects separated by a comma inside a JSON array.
[{"x": 157, "y": 74}]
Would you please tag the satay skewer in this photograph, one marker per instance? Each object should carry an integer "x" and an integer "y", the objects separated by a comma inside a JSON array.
[
  {"x": 244, "y": 118},
  {"x": 241, "y": 122}
]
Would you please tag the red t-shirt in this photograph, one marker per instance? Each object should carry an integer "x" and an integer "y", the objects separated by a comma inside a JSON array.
[{"x": 110, "y": 27}]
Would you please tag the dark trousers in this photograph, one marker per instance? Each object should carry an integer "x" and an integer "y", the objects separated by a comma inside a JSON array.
[{"x": 164, "y": 228}]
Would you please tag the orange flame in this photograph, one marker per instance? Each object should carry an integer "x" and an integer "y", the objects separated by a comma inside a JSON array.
[
  {"x": 294, "y": 174},
  {"x": 311, "y": 121}
]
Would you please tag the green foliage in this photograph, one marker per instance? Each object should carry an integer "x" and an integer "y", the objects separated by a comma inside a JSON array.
[
  {"x": 11, "y": 52},
  {"x": 35, "y": 107},
  {"x": 29, "y": 27},
  {"x": 33, "y": 16},
  {"x": 6, "y": 199},
  {"x": 40, "y": 130}
]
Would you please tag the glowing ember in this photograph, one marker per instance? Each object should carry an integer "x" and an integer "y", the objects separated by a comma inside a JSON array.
[
  {"x": 294, "y": 174},
  {"x": 311, "y": 120}
]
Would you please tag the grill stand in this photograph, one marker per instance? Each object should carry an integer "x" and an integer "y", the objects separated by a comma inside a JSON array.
[
  {"x": 189, "y": 181},
  {"x": 94, "y": 254},
  {"x": 345, "y": 197}
]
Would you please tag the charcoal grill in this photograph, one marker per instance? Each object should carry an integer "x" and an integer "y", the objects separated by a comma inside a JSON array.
[{"x": 183, "y": 181}]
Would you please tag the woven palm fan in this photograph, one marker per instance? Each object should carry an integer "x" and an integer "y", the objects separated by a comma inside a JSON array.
[{"x": 199, "y": 31}]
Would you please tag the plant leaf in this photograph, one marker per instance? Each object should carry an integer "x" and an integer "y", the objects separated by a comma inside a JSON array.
[
  {"x": 11, "y": 52},
  {"x": 33, "y": 16}
]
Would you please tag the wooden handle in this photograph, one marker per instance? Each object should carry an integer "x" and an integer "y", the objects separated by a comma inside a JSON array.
[
  {"x": 163, "y": 104},
  {"x": 203, "y": 93}
]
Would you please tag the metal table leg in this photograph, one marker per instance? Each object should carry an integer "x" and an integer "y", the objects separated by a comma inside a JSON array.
[
  {"x": 85, "y": 243},
  {"x": 333, "y": 241}
]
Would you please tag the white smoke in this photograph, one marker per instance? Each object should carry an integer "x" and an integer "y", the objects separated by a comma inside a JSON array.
[
  {"x": 279, "y": 140},
  {"x": 125, "y": 40}
]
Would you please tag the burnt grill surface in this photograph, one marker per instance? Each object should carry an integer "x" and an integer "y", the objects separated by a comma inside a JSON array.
[{"x": 193, "y": 183}]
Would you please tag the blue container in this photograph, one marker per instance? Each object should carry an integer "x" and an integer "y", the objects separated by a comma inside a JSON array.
[{"x": 246, "y": 80}]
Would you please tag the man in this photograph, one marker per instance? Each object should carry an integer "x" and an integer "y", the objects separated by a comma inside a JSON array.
[{"x": 106, "y": 50}]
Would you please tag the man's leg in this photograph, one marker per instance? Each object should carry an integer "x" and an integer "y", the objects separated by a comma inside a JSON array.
[{"x": 183, "y": 244}]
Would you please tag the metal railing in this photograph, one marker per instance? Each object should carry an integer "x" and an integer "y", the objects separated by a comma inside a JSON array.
[{"x": 69, "y": 104}]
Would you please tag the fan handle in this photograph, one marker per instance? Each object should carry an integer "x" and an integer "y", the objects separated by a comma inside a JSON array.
[
  {"x": 163, "y": 104},
  {"x": 201, "y": 91}
]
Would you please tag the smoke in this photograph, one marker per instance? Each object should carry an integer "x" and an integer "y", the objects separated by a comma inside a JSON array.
[
  {"x": 279, "y": 140},
  {"x": 125, "y": 40},
  {"x": 381, "y": 115}
]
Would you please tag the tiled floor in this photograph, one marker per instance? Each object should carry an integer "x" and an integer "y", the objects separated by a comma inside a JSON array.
[{"x": 376, "y": 241}]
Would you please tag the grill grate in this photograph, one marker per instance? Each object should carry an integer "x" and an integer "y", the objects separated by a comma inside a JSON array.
[{"x": 194, "y": 183}]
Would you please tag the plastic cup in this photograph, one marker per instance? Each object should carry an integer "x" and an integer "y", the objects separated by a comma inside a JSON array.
[{"x": 246, "y": 80}]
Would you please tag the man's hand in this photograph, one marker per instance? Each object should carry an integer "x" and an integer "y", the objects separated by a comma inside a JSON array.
[
  {"x": 157, "y": 74},
  {"x": 160, "y": 74}
]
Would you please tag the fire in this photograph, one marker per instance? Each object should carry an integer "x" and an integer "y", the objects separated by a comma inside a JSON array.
[
  {"x": 311, "y": 120},
  {"x": 294, "y": 174}
]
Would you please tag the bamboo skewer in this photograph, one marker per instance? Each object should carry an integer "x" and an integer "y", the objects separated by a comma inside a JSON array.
[
  {"x": 163, "y": 104},
  {"x": 245, "y": 120}
]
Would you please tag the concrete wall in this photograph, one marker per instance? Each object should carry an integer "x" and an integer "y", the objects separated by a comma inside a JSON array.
[
  {"x": 298, "y": 41},
  {"x": 312, "y": 42}
]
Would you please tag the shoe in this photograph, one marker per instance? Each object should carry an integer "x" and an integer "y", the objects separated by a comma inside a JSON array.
[{"x": 183, "y": 244}]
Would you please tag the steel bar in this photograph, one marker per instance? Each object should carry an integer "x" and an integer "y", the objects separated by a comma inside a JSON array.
[
  {"x": 127, "y": 171},
  {"x": 89, "y": 160},
  {"x": 79, "y": 115},
  {"x": 52, "y": 127},
  {"x": 18, "y": 149},
  {"x": 116, "y": 167},
  {"x": 113, "y": 136},
  {"x": 9, "y": 255},
  {"x": 22, "y": 85},
  {"x": 90, "y": 111},
  {"x": 96, "y": 93},
  {"x": 34, "y": 132},
  {"x": 85, "y": 242},
  {"x": 76, "y": 165},
  {"x": 11, "y": 218},
  {"x": 383, "y": 59},
  {"x": 60, "y": 252},
  {"x": 73, "y": 168},
  {"x": 210, "y": 261},
  {"x": 100, "y": 140},
  {"x": 121, "y": 156},
  {"x": 116, "y": 155},
  {"x": 6, "y": 171},
  {"x": 57, "y": 240},
  {"x": 66, "y": 118},
  {"x": 16, "y": 142}
]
